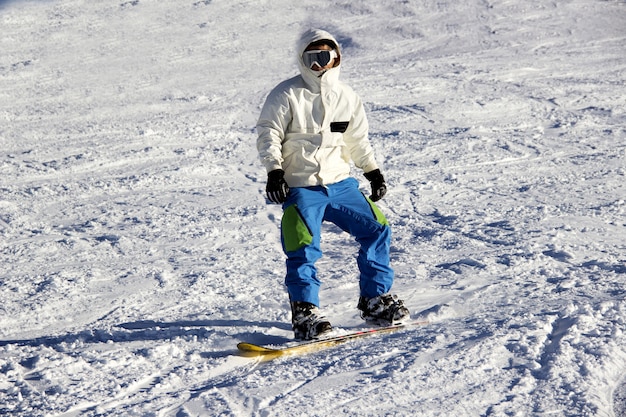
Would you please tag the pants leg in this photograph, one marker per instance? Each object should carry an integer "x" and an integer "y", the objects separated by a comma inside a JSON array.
[
  {"x": 353, "y": 212},
  {"x": 301, "y": 231}
]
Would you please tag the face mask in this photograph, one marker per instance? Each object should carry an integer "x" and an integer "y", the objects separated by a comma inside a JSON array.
[{"x": 320, "y": 73}]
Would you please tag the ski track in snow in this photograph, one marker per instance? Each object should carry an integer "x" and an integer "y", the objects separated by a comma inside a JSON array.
[{"x": 138, "y": 249}]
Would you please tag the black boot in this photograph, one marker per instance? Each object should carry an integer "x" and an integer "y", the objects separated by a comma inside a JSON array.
[
  {"x": 307, "y": 321},
  {"x": 383, "y": 310}
]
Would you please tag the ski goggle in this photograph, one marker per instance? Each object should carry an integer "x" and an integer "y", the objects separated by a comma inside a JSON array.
[{"x": 319, "y": 57}]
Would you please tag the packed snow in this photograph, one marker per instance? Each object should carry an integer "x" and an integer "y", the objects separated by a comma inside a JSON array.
[{"x": 137, "y": 247}]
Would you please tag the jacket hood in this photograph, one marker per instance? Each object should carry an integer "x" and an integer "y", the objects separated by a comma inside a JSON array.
[{"x": 310, "y": 76}]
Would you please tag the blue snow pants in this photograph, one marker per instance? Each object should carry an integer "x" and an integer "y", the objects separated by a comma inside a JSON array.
[{"x": 345, "y": 206}]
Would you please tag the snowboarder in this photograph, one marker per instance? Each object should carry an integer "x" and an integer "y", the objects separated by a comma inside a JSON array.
[{"x": 310, "y": 129}]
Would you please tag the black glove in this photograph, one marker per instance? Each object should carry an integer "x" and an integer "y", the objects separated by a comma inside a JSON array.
[
  {"x": 277, "y": 188},
  {"x": 377, "y": 181}
]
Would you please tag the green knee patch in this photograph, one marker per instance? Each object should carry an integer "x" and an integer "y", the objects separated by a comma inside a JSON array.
[
  {"x": 380, "y": 217},
  {"x": 296, "y": 233}
]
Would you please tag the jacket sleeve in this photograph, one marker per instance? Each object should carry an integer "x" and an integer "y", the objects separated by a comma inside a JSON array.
[
  {"x": 271, "y": 128},
  {"x": 356, "y": 138}
]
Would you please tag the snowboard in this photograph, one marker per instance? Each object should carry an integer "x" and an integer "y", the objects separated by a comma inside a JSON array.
[{"x": 268, "y": 353}]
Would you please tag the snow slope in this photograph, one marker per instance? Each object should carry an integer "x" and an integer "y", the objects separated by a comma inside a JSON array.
[{"x": 137, "y": 247}]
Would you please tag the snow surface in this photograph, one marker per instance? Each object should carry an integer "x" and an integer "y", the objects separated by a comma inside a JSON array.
[{"x": 137, "y": 247}]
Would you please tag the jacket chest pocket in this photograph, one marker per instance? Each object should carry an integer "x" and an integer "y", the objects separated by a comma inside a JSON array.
[{"x": 339, "y": 127}]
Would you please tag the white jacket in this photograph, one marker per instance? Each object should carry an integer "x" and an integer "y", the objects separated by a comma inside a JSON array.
[{"x": 312, "y": 127}]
